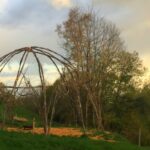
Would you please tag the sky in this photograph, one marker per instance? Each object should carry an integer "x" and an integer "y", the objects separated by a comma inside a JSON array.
[{"x": 33, "y": 23}]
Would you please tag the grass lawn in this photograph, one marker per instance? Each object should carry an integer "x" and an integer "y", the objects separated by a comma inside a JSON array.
[{"x": 27, "y": 141}]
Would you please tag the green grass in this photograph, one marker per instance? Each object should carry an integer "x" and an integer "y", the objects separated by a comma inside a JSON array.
[
  {"x": 28, "y": 114},
  {"x": 109, "y": 135},
  {"x": 26, "y": 141},
  {"x": 22, "y": 141},
  {"x": 21, "y": 111}
]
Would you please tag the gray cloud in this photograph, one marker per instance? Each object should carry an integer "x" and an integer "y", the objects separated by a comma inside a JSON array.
[
  {"x": 34, "y": 12},
  {"x": 32, "y": 22},
  {"x": 132, "y": 17},
  {"x": 29, "y": 22}
]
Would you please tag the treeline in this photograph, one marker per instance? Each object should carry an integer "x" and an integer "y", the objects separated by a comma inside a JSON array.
[{"x": 128, "y": 115}]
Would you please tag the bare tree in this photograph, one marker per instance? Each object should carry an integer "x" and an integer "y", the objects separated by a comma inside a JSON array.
[{"x": 94, "y": 46}]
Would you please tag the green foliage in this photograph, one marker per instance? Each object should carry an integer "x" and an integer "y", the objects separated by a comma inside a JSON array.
[{"x": 129, "y": 114}]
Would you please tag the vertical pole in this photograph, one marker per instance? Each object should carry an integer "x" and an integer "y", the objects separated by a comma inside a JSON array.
[
  {"x": 33, "y": 123},
  {"x": 139, "y": 142}
]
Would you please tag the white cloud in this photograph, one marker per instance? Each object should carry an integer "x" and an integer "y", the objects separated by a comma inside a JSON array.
[
  {"x": 8, "y": 75},
  {"x": 7, "y": 80},
  {"x": 51, "y": 73},
  {"x": 12, "y": 68},
  {"x": 61, "y": 3},
  {"x": 2, "y": 5}
]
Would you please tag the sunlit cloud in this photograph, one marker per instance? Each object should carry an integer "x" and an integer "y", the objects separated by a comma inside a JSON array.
[
  {"x": 12, "y": 68},
  {"x": 51, "y": 74},
  {"x": 61, "y": 3},
  {"x": 2, "y": 5},
  {"x": 7, "y": 80}
]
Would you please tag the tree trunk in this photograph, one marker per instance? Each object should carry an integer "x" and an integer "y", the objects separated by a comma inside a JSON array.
[
  {"x": 86, "y": 113},
  {"x": 81, "y": 114},
  {"x": 97, "y": 111},
  {"x": 45, "y": 116}
]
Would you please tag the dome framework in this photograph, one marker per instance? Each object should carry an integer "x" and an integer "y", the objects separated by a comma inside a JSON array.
[{"x": 54, "y": 58}]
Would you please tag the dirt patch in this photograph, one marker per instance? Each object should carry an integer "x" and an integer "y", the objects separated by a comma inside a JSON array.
[
  {"x": 98, "y": 137},
  {"x": 72, "y": 132},
  {"x": 54, "y": 131},
  {"x": 60, "y": 131}
]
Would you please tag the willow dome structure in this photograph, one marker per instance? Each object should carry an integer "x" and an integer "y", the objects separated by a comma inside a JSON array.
[
  {"x": 52, "y": 56},
  {"x": 36, "y": 52}
]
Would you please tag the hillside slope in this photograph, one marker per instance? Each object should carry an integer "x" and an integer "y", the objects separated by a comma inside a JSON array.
[{"x": 24, "y": 141}]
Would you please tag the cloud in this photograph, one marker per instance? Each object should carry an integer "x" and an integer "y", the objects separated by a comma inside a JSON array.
[
  {"x": 8, "y": 75},
  {"x": 29, "y": 22},
  {"x": 2, "y": 5},
  {"x": 61, "y": 3},
  {"x": 51, "y": 72},
  {"x": 117, "y": 2},
  {"x": 11, "y": 69},
  {"x": 32, "y": 22},
  {"x": 132, "y": 18},
  {"x": 23, "y": 12},
  {"x": 39, "y": 13}
]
